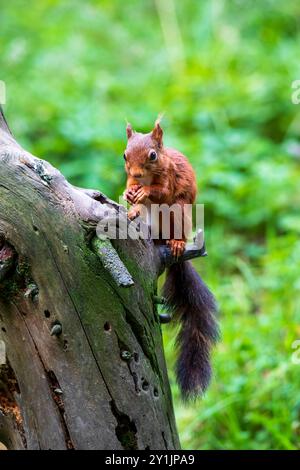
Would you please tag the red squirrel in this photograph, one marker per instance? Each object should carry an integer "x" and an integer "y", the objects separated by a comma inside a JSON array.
[{"x": 160, "y": 175}]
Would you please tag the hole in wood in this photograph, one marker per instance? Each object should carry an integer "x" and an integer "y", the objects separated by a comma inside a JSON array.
[
  {"x": 9, "y": 406},
  {"x": 145, "y": 385},
  {"x": 125, "y": 430},
  {"x": 155, "y": 392},
  {"x": 47, "y": 313},
  {"x": 107, "y": 326},
  {"x": 3, "y": 329},
  {"x": 136, "y": 357}
]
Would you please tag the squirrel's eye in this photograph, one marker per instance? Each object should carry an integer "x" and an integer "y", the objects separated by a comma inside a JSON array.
[
  {"x": 152, "y": 156},
  {"x": 124, "y": 156}
]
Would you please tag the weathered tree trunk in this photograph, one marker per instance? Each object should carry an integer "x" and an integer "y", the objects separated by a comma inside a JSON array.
[{"x": 85, "y": 365}]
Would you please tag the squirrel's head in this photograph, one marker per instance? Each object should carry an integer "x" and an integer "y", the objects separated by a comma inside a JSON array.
[{"x": 143, "y": 153}]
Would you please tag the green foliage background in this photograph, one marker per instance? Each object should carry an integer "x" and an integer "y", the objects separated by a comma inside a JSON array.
[{"x": 222, "y": 73}]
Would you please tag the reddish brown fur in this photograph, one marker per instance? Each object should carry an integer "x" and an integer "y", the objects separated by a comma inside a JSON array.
[{"x": 168, "y": 180}]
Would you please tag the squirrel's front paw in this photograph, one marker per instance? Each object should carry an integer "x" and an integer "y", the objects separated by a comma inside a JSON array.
[
  {"x": 130, "y": 193},
  {"x": 141, "y": 195},
  {"x": 133, "y": 213},
  {"x": 177, "y": 247}
]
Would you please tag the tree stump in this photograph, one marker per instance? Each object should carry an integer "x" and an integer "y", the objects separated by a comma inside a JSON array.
[{"x": 85, "y": 365}]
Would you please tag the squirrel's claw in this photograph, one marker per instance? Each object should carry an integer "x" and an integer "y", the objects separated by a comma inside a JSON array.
[
  {"x": 177, "y": 247},
  {"x": 130, "y": 193},
  {"x": 128, "y": 196},
  {"x": 141, "y": 195}
]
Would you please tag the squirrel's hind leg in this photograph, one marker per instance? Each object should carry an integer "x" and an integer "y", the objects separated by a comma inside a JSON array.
[{"x": 134, "y": 212}]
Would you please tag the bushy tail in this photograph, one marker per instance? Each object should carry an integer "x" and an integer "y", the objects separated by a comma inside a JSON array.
[{"x": 194, "y": 305}]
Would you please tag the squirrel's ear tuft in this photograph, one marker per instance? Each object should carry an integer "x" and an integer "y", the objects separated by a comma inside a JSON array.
[
  {"x": 157, "y": 133},
  {"x": 129, "y": 130}
]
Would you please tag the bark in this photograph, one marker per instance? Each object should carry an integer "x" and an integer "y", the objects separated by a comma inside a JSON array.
[{"x": 85, "y": 365}]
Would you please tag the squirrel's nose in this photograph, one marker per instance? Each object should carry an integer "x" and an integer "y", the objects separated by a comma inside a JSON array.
[{"x": 137, "y": 175}]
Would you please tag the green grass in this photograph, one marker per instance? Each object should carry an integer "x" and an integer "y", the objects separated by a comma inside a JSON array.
[{"x": 222, "y": 73}]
